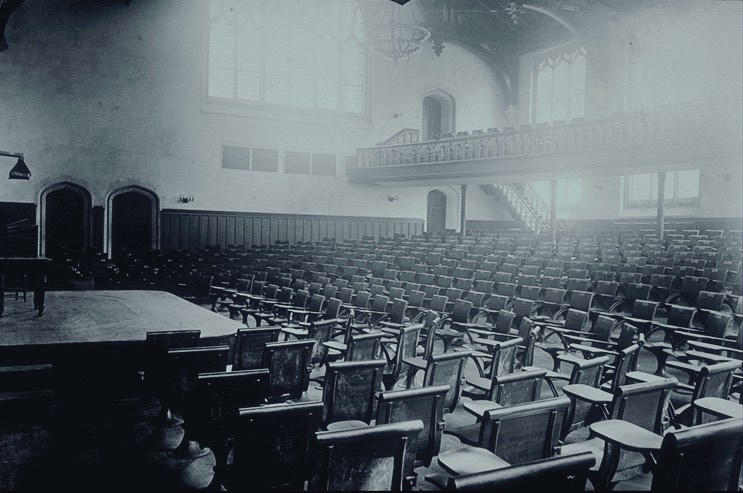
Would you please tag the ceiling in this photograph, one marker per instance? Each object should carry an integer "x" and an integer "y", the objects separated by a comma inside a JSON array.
[{"x": 498, "y": 31}]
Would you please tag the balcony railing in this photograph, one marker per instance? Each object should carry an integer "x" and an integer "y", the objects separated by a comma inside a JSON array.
[{"x": 663, "y": 125}]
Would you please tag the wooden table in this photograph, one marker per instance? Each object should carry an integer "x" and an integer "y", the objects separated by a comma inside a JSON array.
[{"x": 35, "y": 270}]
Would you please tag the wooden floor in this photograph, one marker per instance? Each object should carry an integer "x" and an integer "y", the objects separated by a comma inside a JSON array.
[{"x": 112, "y": 444}]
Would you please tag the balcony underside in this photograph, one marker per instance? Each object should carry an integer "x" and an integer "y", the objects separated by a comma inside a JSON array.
[{"x": 606, "y": 161}]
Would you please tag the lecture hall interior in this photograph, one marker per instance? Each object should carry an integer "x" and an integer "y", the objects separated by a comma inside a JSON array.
[{"x": 384, "y": 245}]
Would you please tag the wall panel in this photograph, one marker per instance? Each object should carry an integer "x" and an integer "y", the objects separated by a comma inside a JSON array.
[{"x": 192, "y": 230}]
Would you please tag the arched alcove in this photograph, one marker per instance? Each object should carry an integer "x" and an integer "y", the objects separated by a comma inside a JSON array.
[
  {"x": 438, "y": 115},
  {"x": 64, "y": 220},
  {"x": 132, "y": 221}
]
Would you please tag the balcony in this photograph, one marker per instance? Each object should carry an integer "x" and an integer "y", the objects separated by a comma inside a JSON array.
[{"x": 654, "y": 140}]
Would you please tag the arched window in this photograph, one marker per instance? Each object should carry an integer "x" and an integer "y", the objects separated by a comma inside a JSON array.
[
  {"x": 438, "y": 115},
  {"x": 560, "y": 85},
  {"x": 132, "y": 221},
  {"x": 65, "y": 221},
  {"x": 306, "y": 54}
]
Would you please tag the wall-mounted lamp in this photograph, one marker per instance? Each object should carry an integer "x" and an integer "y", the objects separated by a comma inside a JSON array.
[
  {"x": 20, "y": 171},
  {"x": 185, "y": 198},
  {"x": 392, "y": 198}
]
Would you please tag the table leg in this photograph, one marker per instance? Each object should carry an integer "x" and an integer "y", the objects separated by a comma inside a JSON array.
[
  {"x": 2, "y": 295},
  {"x": 40, "y": 294}
]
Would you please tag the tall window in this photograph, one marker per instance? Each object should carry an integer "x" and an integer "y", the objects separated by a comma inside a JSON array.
[
  {"x": 306, "y": 54},
  {"x": 560, "y": 85},
  {"x": 681, "y": 188}
]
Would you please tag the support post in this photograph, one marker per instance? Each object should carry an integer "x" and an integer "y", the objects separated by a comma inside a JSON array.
[
  {"x": 661, "y": 203},
  {"x": 463, "y": 218},
  {"x": 553, "y": 211}
]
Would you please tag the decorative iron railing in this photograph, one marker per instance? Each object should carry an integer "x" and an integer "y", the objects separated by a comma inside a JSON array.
[{"x": 662, "y": 125}]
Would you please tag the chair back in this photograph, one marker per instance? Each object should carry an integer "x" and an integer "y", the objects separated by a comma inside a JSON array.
[
  {"x": 581, "y": 300},
  {"x": 561, "y": 473},
  {"x": 363, "y": 347},
  {"x": 426, "y": 404},
  {"x": 216, "y": 399},
  {"x": 503, "y": 355},
  {"x": 249, "y": 343},
  {"x": 461, "y": 311},
  {"x": 350, "y": 388},
  {"x": 504, "y": 322},
  {"x": 587, "y": 372},
  {"x": 708, "y": 300},
  {"x": 289, "y": 365},
  {"x": 316, "y": 301},
  {"x": 345, "y": 295},
  {"x": 447, "y": 369},
  {"x": 575, "y": 319},
  {"x": 363, "y": 459},
  {"x": 438, "y": 303},
  {"x": 496, "y": 302},
  {"x": 681, "y": 316},
  {"x": 705, "y": 457},
  {"x": 524, "y": 432},
  {"x": 397, "y": 311},
  {"x": 332, "y": 309},
  {"x": 518, "y": 387},
  {"x": 362, "y": 299},
  {"x": 715, "y": 380},
  {"x": 643, "y": 404},
  {"x": 644, "y": 309},
  {"x": 283, "y": 433},
  {"x": 716, "y": 324}
]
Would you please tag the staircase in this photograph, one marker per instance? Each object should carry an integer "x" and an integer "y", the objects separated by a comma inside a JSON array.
[{"x": 527, "y": 207}]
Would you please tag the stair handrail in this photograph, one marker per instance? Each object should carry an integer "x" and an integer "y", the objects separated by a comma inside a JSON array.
[
  {"x": 520, "y": 205},
  {"x": 541, "y": 206}
]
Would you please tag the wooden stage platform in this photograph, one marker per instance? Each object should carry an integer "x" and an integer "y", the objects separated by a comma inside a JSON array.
[
  {"x": 107, "y": 316},
  {"x": 92, "y": 335}
]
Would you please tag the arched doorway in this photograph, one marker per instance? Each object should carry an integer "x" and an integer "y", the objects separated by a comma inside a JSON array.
[
  {"x": 65, "y": 221},
  {"x": 438, "y": 115},
  {"x": 436, "y": 220},
  {"x": 132, "y": 221}
]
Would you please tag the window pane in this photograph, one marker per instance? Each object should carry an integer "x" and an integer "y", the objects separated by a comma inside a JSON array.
[
  {"x": 221, "y": 83},
  {"x": 323, "y": 164},
  {"x": 301, "y": 53},
  {"x": 297, "y": 162},
  {"x": 688, "y": 184},
  {"x": 544, "y": 94},
  {"x": 265, "y": 160},
  {"x": 248, "y": 85},
  {"x": 235, "y": 157},
  {"x": 640, "y": 187},
  {"x": 277, "y": 89}
]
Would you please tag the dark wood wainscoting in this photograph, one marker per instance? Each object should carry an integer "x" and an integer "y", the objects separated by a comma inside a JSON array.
[{"x": 191, "y": 230}]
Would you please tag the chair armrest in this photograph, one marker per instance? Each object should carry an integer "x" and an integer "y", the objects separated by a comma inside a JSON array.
[
  {"x": 593, "y": 350},
  {"x": 641, "y": 376},
  {"x": 691, "y": 370},
  {"x": 587, "y": 393},
  {"x": 627, "y": 435},
  {"x": 715, "y": 348},
  {"x": 709, "y": 358}
]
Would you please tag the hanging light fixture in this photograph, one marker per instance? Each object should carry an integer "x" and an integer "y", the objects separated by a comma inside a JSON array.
[
  {"x": 397, "y": 32},
  {"x": 20, "y": 171}
]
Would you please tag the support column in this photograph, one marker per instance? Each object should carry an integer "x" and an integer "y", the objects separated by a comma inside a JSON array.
[
  {"x": 463, "y": 218},
  {"x": 661, "y": 203},
  {"x": 553, "y": 211}
]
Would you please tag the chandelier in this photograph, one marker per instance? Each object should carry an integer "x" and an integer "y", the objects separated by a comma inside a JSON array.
[{"x": 397, "y": 33}]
